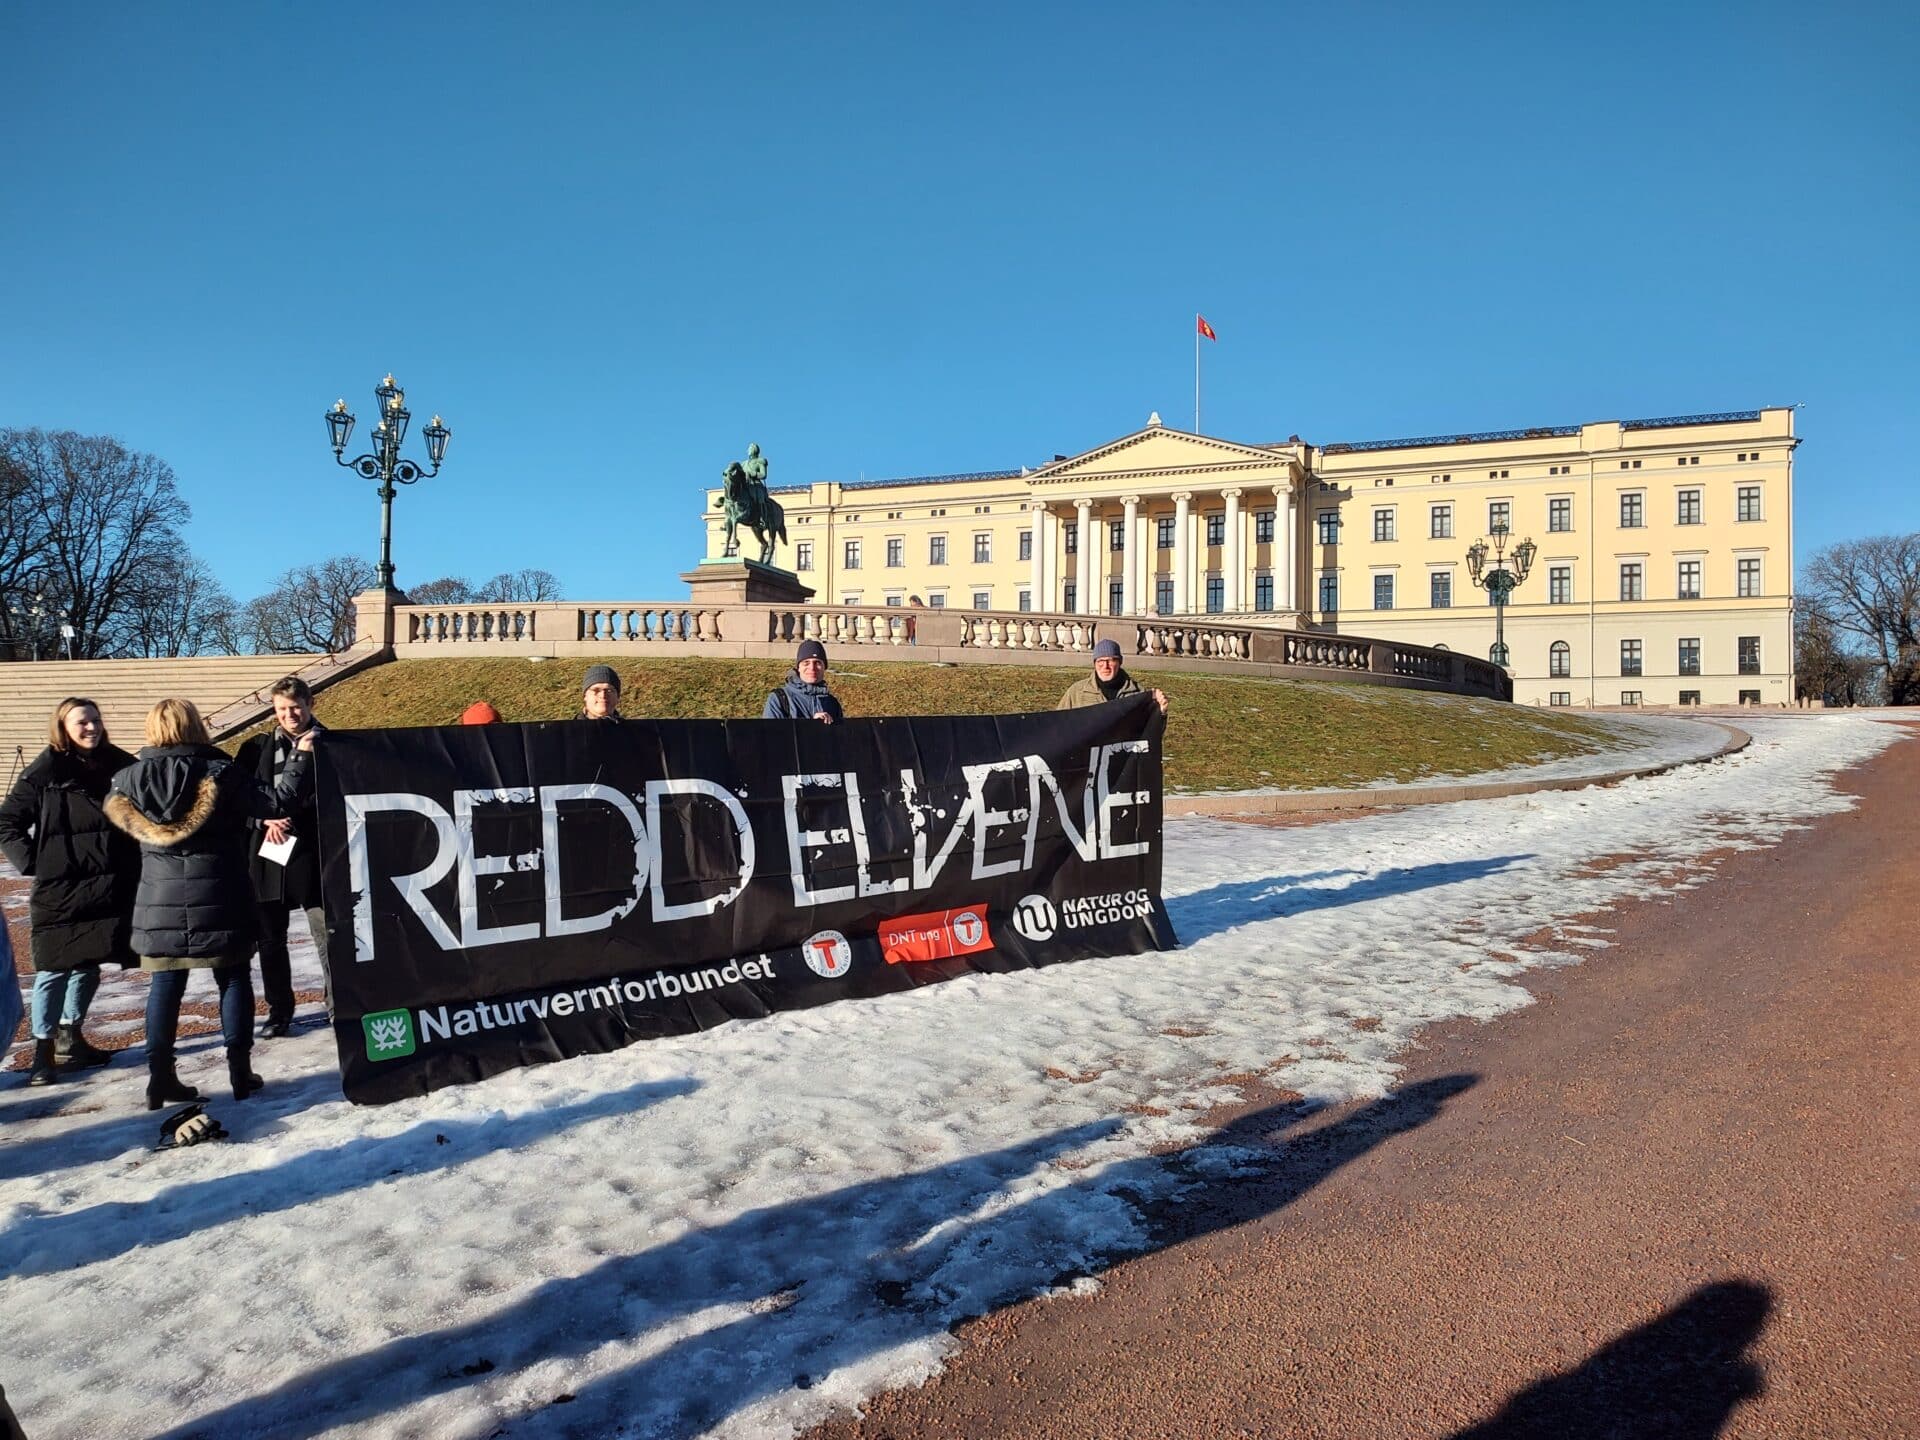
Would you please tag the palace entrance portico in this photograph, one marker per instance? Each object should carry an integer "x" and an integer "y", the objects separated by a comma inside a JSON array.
[{"x": 1164, "y": 522}]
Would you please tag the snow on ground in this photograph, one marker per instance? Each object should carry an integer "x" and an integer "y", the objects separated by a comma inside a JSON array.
[{"x": 741, "y": 1231}]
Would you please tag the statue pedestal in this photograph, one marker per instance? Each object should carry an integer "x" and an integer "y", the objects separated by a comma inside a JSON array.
[{"x": 744, "y": 582}]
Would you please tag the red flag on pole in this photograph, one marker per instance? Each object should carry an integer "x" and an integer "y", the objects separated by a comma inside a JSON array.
[{"x": 1205, "y": 328}]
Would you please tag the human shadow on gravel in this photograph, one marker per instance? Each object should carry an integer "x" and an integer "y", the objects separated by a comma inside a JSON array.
[
  {"x": 1679, "y": 1377},
  {"x": 1222, "y": 907},
  {"x": 833, "y": 1285},
  {"x": 38, "y": 1244}
]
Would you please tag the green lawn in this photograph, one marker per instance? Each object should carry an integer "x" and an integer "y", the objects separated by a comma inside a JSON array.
[{"x": 1224, "y": 732}]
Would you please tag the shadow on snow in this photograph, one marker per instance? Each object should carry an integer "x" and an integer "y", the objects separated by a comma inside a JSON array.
[{"x": 1223, "y": 907}]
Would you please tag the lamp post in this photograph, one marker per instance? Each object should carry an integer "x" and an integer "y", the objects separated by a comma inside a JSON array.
[
  {"x": 385, "y": 464},
  {"x": 28, "y": 617},
  {"x": 1499, "y": 582}
]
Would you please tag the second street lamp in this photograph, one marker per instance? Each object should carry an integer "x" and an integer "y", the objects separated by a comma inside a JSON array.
[
  {"x": 384, "y": 463},
  {"x": 1499, "y": 582}
]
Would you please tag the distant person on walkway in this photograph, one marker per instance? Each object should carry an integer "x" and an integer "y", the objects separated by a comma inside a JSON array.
[
  {"x": 600, "y": 694},
  {"x": 805, "y": 695},
  {"x": 292, "y": 881},
  {"x": 84, "y": 873},
  {"x": 1109, "y": 681},
  {"x": 480, "y": 713},
  {"x": 188, "y": 806}
]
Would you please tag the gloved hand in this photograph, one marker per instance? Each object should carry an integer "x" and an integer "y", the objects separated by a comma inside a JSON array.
[{"x": 189, "y": 1125}]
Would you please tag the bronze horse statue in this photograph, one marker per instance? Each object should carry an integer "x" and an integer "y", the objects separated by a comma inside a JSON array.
[{"x": 746, "y": 502}]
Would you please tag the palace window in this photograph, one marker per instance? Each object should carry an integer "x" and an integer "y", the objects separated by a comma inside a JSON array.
[
  {"x": 1633, "y": 585},
  {"x": 1630, "y": 657},
  {"x": 1689, "y": 507},
  {"x": 850, "y": 555},
  {"x": 1689, "y": 580},
  {"x": 1163, "y": 532},
  {"x": 936, "y": 550},
  {"x": 1026, "y": 599},
  {"x": 1070, "y": 599},
  {"x": 1263, "y": 527},
  {"x": 1748, "y": 572},
  {"x": 1749, "y": 498},
  {"x": 1632, "y": 510},
  {"x": 1383, "y": 592},
  {"x": 1440, "y": 522},
  {"x": 1560, "y": 697},
  {"x": 896, "y": 554},
  {"x": 1073, "y": 537},
  {"x": 983, "y": 547},
  {"x": 1026, "y": 544},
  {"x": 1559, "y": 661},
  {"x": 1749, "y": 654},
  {"x": 1263, "y": 592},
  {"x": 1216, "y": 594},
  {"x": 1440, "y": 589},
  {"x": 1216, "y": 529},
  {"x": 1163, "y": 596},
  {"x": 803, "y": 555},
  {"x": 1116, "y": 537},
  {"x": 936, "y": 599},
  {"x": 1629, "y": 697},
  {"x": 1560, "y": 585},
  {"x": 1327, "y": 522},
  {"x": 1383, "y": 524},
  {"x": 1689, "y": 697},
  {"x": 983, "y": 599},
  {"x": 1749, "y": 697},
  {"x": 1116, "y": 597},
  {"x": 1560, "y": 514},
  {"x": 1329, "y": 593},
  {"x": 1689, "y": 657},
  {"x": 1499, "y": 515}
]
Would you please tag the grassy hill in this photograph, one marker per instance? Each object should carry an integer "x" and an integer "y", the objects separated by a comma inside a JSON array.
[{"x": 1224, "y": 732}]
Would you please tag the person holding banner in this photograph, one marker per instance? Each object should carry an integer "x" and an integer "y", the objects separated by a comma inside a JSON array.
[
  {"x": 188, "y": 806},
  {"x": 805, "y": 696},
  {"x": 1109, "y": 681},
  {"x": 600, "y": 694}
]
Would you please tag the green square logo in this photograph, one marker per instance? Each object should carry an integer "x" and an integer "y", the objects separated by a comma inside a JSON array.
[{"x": 389, "y": 1034}]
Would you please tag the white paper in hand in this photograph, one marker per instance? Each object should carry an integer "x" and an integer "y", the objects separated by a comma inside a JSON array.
[{"x": 278, "y": 853}]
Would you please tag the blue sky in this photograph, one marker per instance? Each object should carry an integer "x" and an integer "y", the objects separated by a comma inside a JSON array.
[{"x": 614, "y": 243}]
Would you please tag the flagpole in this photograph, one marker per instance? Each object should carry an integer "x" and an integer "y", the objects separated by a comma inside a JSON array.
[{"x": 1196, "y": 372}]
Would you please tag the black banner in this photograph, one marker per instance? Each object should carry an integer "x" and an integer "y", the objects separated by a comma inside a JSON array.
[{"x": 503, "y": 895}]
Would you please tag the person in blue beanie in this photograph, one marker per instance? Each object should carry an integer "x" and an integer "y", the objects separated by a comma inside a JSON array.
[{"x": 805, "y": 695}]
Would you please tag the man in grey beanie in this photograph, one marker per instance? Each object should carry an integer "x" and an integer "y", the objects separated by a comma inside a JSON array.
[
  {"x": 1109, "y": 681},
  {"x": 805, "y": 695},
  {"x": 600, "y": 694}
]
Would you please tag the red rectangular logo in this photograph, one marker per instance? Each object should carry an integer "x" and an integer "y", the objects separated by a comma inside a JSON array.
[{"x": 936, "y": 935}]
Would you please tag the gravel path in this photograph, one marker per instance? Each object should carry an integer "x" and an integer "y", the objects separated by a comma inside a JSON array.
[{"x": 1675, "y": 1198}]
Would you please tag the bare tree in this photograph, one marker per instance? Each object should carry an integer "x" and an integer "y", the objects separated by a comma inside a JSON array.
[
  {"x": 175, "y": 607},
  {"x": 520, "y": 586},
  {"x": 448, "y": 590},
  {"x": 90, "y": 517},
  {"x": 1870, "y": 591},
  {"x": 309, "y": 609},
  {"x": 1825, "y": 667}
]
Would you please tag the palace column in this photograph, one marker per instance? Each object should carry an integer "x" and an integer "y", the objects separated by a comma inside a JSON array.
[
  {"x": 1231, "y": 552},
  {"x": 1037, "y": 547},
  {"x": 1182, "y": 562},
  {"x": 1084, "y": 594},
  {"x": 1288, "y": 521},
  {"x": 1130, "y": 558}
]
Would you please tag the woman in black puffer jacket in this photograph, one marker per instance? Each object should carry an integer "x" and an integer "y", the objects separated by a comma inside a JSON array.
[
  {"x": 83, "y": 872},
  {"x": 188, "y": 805}
]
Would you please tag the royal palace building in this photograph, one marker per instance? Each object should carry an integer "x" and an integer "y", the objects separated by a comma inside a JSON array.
[{"x": 1662, "y": 549}]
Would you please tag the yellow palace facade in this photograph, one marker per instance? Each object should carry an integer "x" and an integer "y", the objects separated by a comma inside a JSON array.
[{"x": 1663, "y": 548}]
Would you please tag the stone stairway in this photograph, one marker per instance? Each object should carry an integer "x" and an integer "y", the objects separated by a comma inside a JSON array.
[{"x": 124, "y": 690}]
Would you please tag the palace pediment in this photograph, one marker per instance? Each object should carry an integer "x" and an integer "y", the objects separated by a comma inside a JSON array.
[{"x": 1159, "y": 454}]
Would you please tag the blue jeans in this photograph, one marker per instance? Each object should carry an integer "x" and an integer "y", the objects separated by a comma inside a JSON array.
[
  {"x": 236, "y": 1009},
  {"x": 65, "y": 993}
]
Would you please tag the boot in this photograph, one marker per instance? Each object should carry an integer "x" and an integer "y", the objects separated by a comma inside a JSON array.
[
  {"x": 240, "y": 1072},
  {"x": 43, "y": 1071},
  {"x": 73, "y": 1051},
  {"x": 163, "y": 1086}
]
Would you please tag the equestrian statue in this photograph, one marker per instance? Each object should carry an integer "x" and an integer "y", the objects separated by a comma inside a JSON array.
[{"x": 745, "y": 501}]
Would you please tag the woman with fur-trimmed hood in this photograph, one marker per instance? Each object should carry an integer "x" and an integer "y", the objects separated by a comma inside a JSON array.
[{"x": 188, "y": 805}]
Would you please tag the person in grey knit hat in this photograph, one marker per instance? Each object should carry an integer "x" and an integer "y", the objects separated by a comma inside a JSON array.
[
  {"x": 600, "y": 694},
  {"x": 1109, "y": 681},
  {"x": 805, "y": 695}
]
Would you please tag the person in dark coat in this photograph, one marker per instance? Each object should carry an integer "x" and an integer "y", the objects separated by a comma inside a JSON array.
[
  {"x": 1109, "y": 681},
  {"x": 188, "y": 806},
  {"x": 600, "y": 694},
  {"x": 280, "y": 888},
  {"x": 805, "y": 695},
  {"x": 83, "y": 871}
]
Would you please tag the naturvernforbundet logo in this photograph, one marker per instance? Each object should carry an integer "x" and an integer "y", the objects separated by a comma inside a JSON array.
[
  {"x": 389, "y": 1034},
  {"x": 935, "y": 936}
]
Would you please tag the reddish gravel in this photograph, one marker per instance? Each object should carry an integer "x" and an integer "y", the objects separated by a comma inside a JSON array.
[{"x": 1674, "y": 1198}]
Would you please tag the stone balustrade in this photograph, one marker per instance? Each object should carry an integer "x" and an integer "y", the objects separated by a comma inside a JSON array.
[{"x": 770, "y": 631}]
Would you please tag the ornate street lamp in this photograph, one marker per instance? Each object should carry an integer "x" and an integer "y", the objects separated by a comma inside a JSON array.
[
  {"x": 385, "y": 464},
  {"x": 1500, "y": 581}
]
